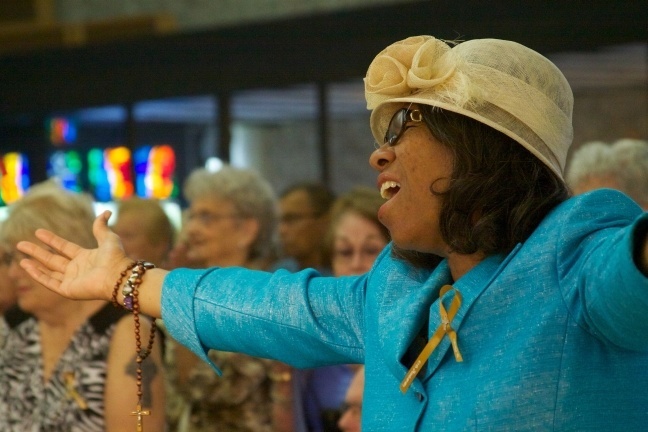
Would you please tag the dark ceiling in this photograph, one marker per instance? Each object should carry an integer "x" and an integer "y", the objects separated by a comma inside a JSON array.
[{"x": 332, "y": 47}]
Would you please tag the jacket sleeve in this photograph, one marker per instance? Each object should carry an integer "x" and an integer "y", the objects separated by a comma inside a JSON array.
[
  {"x": 302, "y": 319},
  {"x": 602, "y": 285}
]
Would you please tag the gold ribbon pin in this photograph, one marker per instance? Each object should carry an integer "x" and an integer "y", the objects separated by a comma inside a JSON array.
[
  {"x": 72, "y": 393},
  {"x": 444, "y": 329}
]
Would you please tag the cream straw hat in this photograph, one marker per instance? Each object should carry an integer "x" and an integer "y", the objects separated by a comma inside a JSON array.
[{"x": 502, "y": 84}]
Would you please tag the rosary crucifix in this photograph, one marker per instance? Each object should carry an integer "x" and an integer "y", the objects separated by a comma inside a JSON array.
[
  {"x": 139, "y": 413},
  {"x": 131, "y": 302}
]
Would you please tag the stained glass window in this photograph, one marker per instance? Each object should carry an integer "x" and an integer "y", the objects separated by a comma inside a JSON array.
[{"x": 14, "y": 177}]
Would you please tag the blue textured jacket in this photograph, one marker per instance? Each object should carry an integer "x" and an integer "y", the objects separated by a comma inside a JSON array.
[{"x": 553, "y": 336}]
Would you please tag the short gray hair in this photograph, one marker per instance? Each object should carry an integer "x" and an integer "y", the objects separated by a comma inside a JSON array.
[
  {"x": 251, "y": 195},
  {"x": 625, "y": 160}
]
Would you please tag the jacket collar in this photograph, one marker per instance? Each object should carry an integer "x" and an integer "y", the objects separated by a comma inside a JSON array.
[{"x": 406, "y": 300}]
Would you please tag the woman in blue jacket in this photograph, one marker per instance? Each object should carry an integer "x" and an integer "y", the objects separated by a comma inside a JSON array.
[{"x": 502, "y": 303}]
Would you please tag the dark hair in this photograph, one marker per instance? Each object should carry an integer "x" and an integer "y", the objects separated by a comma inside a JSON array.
[
  {"x": 498, "y": 193},
  {"x": 320, "y": 197}
]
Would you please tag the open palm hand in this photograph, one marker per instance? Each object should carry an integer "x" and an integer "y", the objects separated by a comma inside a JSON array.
[{"x": 72, "y": 271}]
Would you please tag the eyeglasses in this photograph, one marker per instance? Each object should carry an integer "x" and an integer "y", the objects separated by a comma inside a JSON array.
[
  {"x": 398, "y": 123},
  {"x": 208, "y": 218},
  {"x": 348, "y": 254},
  {"x": 7, "y": 258}
]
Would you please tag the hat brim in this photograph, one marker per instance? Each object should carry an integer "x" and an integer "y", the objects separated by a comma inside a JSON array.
[{"x": 382, "y": 114}]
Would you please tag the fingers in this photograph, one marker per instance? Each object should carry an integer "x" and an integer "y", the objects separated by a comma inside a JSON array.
[
  {"x": 100, "y": 227},
  {"x": 42, "y": 275},
  {"x": 46, "y": 258},
  {"x": 57, "y": 243}
]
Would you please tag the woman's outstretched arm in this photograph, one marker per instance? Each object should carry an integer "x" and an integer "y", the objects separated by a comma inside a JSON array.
[{"x": 85, "y": 274}]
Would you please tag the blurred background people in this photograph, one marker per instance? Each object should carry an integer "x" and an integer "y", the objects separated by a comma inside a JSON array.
[
  {"x": 351, "y": 411},
  {"x": 356, "y": 236},
  {"x": 10, "y": 314},
  {"x": 354, "y": 239},
  {"x": 622, "y": 165},
  {"x": 145, "y": 230},
  {"x": 232, "y": 218},
  {"x": 304, "y": 218},
  {"x": 178, "y": 253},
  {"x": 71, "y": 365},
  {"x": 231, "y": 221},
  {"x": 7, "y": 293}
]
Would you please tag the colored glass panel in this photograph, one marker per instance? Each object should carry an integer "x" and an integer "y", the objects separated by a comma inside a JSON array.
[
  {"x": 62, "y": 131},
  {"x": 109, "y": 173},
  {"x": 117, "y": 164},
  {"x": 14, "y": 177},
  {"x": 155, "y": 171},
  {"x": 66, "y": 166}
]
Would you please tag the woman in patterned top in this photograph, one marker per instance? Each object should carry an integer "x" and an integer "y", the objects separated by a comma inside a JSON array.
[
  {"x": 7, "y": 295},
  {"x": 231, "y": 221},
  {"x": 71, "y": 366}
]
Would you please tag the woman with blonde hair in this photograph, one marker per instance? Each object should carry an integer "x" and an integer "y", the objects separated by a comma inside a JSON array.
[
  {"x": 69, "y": 366},
  {"x": 145, "y": 230},
  {"x": 356, "y": 236}
]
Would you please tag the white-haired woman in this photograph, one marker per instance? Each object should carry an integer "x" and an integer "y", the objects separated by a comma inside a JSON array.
[
  {"x": 621, "y": 165},
  {"x": 231, "y": 221}
]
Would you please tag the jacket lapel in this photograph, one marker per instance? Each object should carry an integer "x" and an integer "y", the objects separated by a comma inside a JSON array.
[
  {"x": 409, "y": 295},
  {"x": 471, "y": 286},
  {"x": 403, "y": 306}
]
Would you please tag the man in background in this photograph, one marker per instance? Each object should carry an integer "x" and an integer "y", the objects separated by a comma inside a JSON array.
[
  {"x": 145, "y": 230},
  {"x": 303, "y": 223}
]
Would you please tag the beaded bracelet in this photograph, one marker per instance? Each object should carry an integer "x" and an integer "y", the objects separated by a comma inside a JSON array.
[
  {"x": 134, "y": 281},
  {"x": 120, "y": 279},
  {"x": 131, "y": 302}
]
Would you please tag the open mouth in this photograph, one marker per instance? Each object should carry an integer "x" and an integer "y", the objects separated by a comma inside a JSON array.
[{"x": 389, "y": 189}]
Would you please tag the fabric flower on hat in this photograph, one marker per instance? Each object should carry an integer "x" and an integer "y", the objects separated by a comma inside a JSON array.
[
  {"x": 416, "y": 63},
  {"x": 432, "y": 65},
  {"x": 387, "y": 74}
]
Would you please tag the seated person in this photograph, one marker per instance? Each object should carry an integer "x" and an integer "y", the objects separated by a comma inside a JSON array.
[
  {"x": 72, "y": 364},
  {"x": 622, "y": 165},
  {"x": 352, "y": 408}
]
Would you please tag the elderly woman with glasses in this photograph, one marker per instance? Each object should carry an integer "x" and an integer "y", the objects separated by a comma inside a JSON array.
[
  {"x": 231, "y": 221},
  {"x": 502, "y": 303},
  {"x": 621, "y": 165}
]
